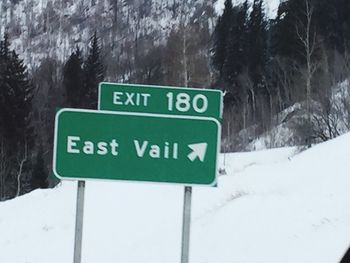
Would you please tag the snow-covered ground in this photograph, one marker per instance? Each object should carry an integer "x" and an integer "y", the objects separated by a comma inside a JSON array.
[{"x": 272, "y": 206}]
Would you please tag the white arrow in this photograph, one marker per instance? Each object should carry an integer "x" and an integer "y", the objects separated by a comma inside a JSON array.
[{"x": 198, "y": 150}]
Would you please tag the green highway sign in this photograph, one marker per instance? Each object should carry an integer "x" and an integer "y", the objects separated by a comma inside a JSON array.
[
  {"x": 160, "y": 100},
  {"x": 92, "y": 144}
]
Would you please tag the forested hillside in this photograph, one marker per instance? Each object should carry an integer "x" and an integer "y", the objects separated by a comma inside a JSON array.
[
  {"x": 65, "y": 48},
  {"x": 288, "y": 71},
  {"x": 136, "y": 35}
]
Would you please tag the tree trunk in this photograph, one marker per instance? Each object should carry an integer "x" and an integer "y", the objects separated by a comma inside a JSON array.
[{"x": 20, "y": 170}]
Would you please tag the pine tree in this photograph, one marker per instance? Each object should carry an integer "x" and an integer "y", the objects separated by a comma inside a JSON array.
[
  {"x": 343, "y": 10},
  {"x": 4, "y": 87},
  {"x": 21, "y": 94},
  {"x": 16, "y": 134},
  {"x": 286, "y": 42},
  {"x": 16, "y": 96},
  {"x": 40, "y": 173},
  {"x": 259, "y": 95},
  {"x": 73, "y": 80},
  {"x": 93, "y": 73},
  {"x": 5, "y": 47},
  {"x": 326, "y": 19},
  {"x": 236, "y": 50},
  {"x": 221, "y": 33},
  {"x": 257, "y": 42},
  {"x": 242, "y": 30},
  {"x": 333, "y": 23}
]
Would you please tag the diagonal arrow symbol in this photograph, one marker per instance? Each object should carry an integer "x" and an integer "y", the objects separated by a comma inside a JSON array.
[{"x": 198, "y": 151}]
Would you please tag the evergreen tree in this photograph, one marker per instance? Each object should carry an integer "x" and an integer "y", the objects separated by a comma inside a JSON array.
[
  {"x": 326, "y": 20},
  {"x": 4, "y": 116},
  {"x": 40, "y": 173},
  {"x": 16, "y": 134},
  {"x": 5, "y": 47},
  {"x": 236, "y": 50},
  {"x": 257, "y": 42},
  {"x": 290, "y": 20},
  {"x": 73, "y": 80},
  {"x": 343, "y": 10},
  {"x": 4, "y": 87},
  {"x": 93, "y": 73},
  {"x": 49, "y": 95},
  {"x": 242, "y": 30},
  {"x": 259, "y": 96},
  {"x": 221, "y": 33},
  {"x": 17, "y": 94},
  {"x": 333, "y": 23},
  {"x": 283, "y": 31}
]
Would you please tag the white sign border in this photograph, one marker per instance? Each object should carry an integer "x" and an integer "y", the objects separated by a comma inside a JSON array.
[
  {"x": 218, "y": 143},
  {"x": 163, "y": 87}
]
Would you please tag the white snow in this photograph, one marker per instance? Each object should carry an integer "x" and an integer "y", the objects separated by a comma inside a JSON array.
[
  {"x": 283, "y": 133},
  {"x": 272, "y": 206}
]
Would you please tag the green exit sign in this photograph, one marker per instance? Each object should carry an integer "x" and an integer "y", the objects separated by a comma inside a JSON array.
[
  {"x": 160, "y": 100},
  {"x": 111, "y": 145}
]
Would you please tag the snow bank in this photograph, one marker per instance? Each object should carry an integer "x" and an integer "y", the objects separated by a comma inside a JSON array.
[{"x": 272, "y": 206}]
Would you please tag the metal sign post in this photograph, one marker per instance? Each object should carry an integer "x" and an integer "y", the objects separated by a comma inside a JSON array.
[
  {"x": 186, "y": 225},
  {"x": 157, "y": 131},
  {"x": 79, "y": 222},
  {"x": 164, "y": 100}
]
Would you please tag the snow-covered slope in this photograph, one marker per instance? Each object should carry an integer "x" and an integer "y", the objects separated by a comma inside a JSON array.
[
  {"x": 47, "y": 28},
  {"x": 329, "y": 120},
  {"x": 272, "y": 206}
]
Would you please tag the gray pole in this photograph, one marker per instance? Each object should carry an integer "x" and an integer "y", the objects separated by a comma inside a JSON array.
[
  {"x": 79, "y": 217},
  {"x": 186, "y": 225}
]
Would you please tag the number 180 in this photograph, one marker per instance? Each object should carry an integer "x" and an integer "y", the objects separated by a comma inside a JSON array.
[{"x": 183, "y": 102}]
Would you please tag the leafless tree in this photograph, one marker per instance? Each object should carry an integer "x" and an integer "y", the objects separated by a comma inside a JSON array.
[
  {"x": 326, "y": 121},
  {"x": 282, "y": 71},
  {"x": 307, "y": 37},
  {"x": 21, "y": 159},
  {"x": 249, "y": 104}
]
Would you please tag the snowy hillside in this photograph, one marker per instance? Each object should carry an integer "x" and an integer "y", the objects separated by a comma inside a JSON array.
[
  {"x": 286, "y": 122},
  {"x": 40, "y": 29},
  {"x": 272, "y": 206}
]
